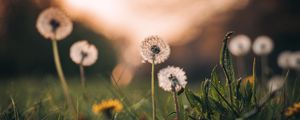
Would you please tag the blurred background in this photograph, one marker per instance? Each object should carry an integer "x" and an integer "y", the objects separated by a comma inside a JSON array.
[{"x": 193, "y": 28}]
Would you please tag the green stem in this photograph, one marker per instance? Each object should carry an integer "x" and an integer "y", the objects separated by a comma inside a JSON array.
[
  {"x": 61, "y": 76},
  {"x": 176, "y": 103},
  {"x": 153, "y": 92},
  {"x": 82, "y": 76}
]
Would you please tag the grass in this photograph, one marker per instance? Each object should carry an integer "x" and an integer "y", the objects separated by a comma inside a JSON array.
[
  {"x": 42, "y": 98},
  {"x": 221, "y": 96}
]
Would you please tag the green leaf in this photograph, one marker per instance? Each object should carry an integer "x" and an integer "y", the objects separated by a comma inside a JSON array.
[
  {"x": 215, "y": 80},
  {"x": 226, "y": 59},
  {"x": 248, "y": 93},
  {"x": 194, "y": 100}
]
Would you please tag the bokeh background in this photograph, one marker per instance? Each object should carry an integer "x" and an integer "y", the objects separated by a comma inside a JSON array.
[{"x": 194, "y": 29}]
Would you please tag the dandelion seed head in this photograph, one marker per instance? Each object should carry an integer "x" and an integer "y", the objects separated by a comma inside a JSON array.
[
  {"x": 154, "y": 47},
  {"x": 53, "y": 24},
  {"x": 240, "y": 45},
  {"x": 263, "y": 45},
  {"x": 283, "y": 60},
  {"x": 82, "y": 52},
  {"x": 275, "y": 83},
  {"x": 111, "y": 104},
  {"x": 172, "y": 76},
  {"x": 295, "y": 60}
]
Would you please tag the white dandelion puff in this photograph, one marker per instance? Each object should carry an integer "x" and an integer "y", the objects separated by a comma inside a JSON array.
[
  {"x": 53, "y": 24},
  {"x": 263, "y": 45},
  {"x": 83, "y": 53},
  {"x": 240, "y": 45},
  {"x": 295, "y": 60},
  {"x": 154, "y": 48},
  {"x": 172, "y": 76},
  {"x": 276, "y": 83},
  {"x": 283, "y": 60}
]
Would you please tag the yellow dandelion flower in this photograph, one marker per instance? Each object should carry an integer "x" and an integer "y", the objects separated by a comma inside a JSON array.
[
  {"x": 110, "y": 105},
  {"x": 249, "y": 79},
  {"x": 292, "y": 110}
]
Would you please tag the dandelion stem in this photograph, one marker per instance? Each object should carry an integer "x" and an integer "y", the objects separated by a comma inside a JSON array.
[
  {"x": 82, "y": 75},
  {"x": 264, "y": 69},
  {"x": 61, "y": 76},
  {"x": 176, "y": 103},
  {"x": 153, "y": 92}
]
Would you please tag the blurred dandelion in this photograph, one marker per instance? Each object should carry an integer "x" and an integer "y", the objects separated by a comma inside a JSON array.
[
  {"x": 284, "y": 60},
  {"x": 295, "y": 61},
  {"x": 292, "y": 110},
  {"x": 172, "y": 79},
  {"x": 83, "y": 54},
  {"x": 240, "y": 45},
  {"x": 108, "y": 107},
  {"x": 276, "y": 83},
  {"x": 263, "y": 45},
  {"x": 154, "y": 50},
  {"x": 53, "y": 24}
]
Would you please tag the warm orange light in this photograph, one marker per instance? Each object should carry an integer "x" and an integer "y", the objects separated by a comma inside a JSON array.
[{"x": 126, "y": 22}]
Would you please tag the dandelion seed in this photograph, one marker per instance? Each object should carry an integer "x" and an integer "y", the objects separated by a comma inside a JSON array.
[
  {"x": 284, "y": 60},
  {"x": 240, "y": 45},
  {"x": 276, "y": 83},
  {"x": 263, "y": 45},
  {"x": 53, "y": 24},
  {"x": 110, "y": 105},
  {"x": 83, "y": 53},
  {"x": 295, "y": 60},
  {"x": 172, "y": 76},
  {"x": 154, "y": 48}
]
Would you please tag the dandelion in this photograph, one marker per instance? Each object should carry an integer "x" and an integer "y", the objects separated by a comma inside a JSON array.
[
  {"x": 83, "y": 54},
  {"x": 240, "y": 45},
  {"x": 284, "y": 60},
  {"x": 53, "y": 24},
  {"x": 172, "y": 79},
  {"x": 295, "y": 60},
  {"x": 108, "y": 107},
  {"x": 292, "y": 110},
  {"x": 263, "y": 45},
  {"x": 154, "y": 50},
  {"x": 275, "y": 83},
  {"x": 248, "y": 79}
]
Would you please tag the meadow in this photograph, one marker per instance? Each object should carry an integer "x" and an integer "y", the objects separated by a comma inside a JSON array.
[{"x": 168, "y": 95}]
